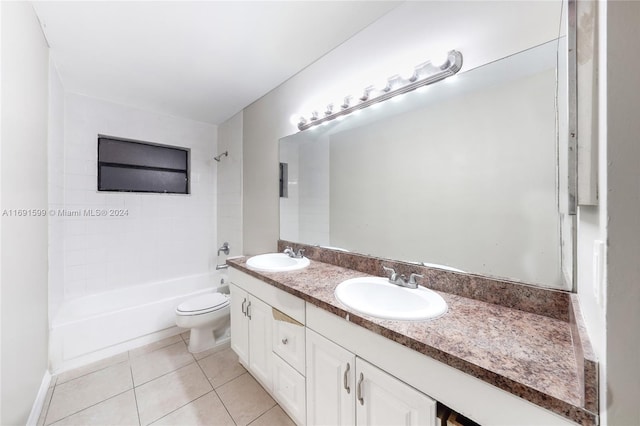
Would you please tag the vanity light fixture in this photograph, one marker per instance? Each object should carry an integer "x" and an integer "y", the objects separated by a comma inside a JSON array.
[{"x": 424, "y": 74}]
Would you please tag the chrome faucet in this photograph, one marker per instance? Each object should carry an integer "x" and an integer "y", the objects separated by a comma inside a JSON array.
[
  {"x": 401, "y": 280},
  {"x": 225, "y": 248},
  {"x": 289, "y": 251}
]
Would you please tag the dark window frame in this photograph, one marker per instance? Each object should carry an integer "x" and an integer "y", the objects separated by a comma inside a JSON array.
[{"x": 184, "y": 169}]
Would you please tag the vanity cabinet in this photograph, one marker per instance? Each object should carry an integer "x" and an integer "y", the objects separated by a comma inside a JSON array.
[
  {"x": 343, "y": 389},
  {"x": 267, "y": 334},
  {"x": 251, "y": 328}
]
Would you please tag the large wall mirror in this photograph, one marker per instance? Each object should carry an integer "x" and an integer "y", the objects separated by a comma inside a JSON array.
[{"x": 463, "y": 174}]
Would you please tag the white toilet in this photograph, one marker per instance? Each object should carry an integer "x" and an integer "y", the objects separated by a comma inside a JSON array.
[{"x": 208, "y": 318}]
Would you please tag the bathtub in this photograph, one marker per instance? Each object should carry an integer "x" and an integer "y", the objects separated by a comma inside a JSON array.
[{"x": 93, "y": 327}]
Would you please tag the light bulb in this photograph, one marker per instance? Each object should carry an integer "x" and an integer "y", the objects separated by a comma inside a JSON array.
[
  {"x": 382, "y": 85},
  {"x": 440, "y": 60},
  {"x": 329, "y": 110},
  {"x": 366, "y": 93},
  {"x": 410, "y": 74},
  {"x": 395, "y": 82},
  {"x": 295, "y": 119}
]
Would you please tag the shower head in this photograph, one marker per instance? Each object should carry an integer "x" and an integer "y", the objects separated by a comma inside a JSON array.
[{"x": 224, "y": 154}]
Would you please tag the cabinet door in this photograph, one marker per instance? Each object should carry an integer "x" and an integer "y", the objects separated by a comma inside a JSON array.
[
  {"x": 289, "y": 389},
  {"x": 239, "y": 323},
  {"x": 381, "y": 399},
  {"x": 330, "y": 382},
  {"x": 260, "y": 340}
]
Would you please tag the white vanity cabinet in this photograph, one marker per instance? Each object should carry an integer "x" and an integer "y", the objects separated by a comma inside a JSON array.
[
  {"x": 331, "y": 373},
  {"x": 267, "y": 334},
  {"x": 251, "y": 328},
  {"x": 239, "y": 323},
  {"x": 343, "y": 389}
]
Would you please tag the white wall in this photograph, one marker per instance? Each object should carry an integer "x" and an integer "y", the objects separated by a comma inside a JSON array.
[
  {"x": 623, "y": 211},
  {"x": 24, "y": 321},
  {"x": 229, "y": 170},
  {"x": 406, "y": 36},
  {"x": 56, "y": 190},
  {"x": 613, "y": 320},
  {"x": 163, "y": 236}
]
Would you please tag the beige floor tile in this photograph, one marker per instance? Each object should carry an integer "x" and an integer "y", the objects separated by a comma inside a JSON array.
[
  {"x": 120, "y": 410},
  {"x": 274, "y": 417},
  {"x": 154, "y": 364},
  {"x": 206, "y": 410},
  {"x": 185, "y": 336},
  {"x": 155, "y": 346},
  {"x": 208, "y": 352},
  {"x": 90, "y": 368},
  {"x": 245, "y": 399},
  {"x": 83, "y": 392},
  {"x": 45, "y": 406},
  {"x": 221, "y": 367},
  {"x": 165, "y": 394}
]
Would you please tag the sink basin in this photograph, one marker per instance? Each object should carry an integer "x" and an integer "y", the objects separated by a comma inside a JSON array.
[
  {"x": 276, "y": 262},
  {"x": 377, "y": 297}
]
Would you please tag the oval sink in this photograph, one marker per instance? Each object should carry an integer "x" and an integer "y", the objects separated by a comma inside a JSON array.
[
  {"x": 276, "y": 262},
  {"x": 377, "y": 297}
]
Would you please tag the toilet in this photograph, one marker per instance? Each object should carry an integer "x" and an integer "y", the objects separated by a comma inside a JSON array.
[{"x": 208, "y": 318}]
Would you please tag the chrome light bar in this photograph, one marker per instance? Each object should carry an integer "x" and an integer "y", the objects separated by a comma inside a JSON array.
[{"x": 423, "y": 75}]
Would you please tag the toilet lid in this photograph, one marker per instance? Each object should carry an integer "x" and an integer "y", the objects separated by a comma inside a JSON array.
[{"x": 205, "y": 303}]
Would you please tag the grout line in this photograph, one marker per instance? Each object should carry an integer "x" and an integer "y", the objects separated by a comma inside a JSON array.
[
  {"x": 90, "y": 372},
  {"x": 216, "y": 392},
  {"x": 265, "y": 412},
  {"x": 182, "y": 406},
  {"x": 156, "y": 349},
  {"x": 221, "y": 384},
  {"x": 164, "y": 374},
  {"x": 87, "y": 407},
  {"x": 133, "y": 383}
]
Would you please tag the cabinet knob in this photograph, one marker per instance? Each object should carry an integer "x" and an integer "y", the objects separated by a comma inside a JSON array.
[{"x": 285, "y": 341}]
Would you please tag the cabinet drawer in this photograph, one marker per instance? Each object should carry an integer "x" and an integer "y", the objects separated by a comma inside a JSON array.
[
  {"x": 289, "y": 390},
  {"x": 288, "y": 340}
]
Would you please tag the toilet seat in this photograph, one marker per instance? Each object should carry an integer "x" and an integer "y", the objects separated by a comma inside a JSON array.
[{"x": 203, "y": 304}]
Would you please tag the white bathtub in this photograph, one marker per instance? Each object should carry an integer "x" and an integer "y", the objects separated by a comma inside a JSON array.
[{"x": 100, "y": 325}]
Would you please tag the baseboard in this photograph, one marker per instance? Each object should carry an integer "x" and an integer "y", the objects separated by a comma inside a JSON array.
[{"x": 38, "y": 404}]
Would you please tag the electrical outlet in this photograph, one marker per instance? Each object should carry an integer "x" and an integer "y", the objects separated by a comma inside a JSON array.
[{"x": 598, "y": 272}]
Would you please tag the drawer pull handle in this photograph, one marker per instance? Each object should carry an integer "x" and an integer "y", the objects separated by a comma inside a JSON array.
[
  {"x": 248, "y": 311},
  {"x": 244, "y": 309},
  {"x": 346, "y": 378},
  {"x": 285, "y": 341},
  {"x": 360, "y": 397}
]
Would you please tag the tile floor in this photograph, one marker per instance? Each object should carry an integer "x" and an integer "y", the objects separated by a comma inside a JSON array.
[{"x": 161, "y": 384}]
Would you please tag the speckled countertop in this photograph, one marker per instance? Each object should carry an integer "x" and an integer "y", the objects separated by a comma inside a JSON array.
[{"x": 526, "y": 354}]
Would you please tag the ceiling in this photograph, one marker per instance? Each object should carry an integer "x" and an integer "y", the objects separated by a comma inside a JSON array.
[{"x": 202, "y": 60}]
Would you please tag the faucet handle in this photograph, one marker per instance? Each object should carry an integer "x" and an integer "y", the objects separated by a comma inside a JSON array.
[
  {"x": 412, "y": 278},
  {"x": 300, "y": 253},
  {"x": 391, "y": 272}
]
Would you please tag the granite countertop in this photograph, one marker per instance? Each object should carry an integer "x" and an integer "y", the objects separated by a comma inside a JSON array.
[{"x": 526, "y": 354}]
